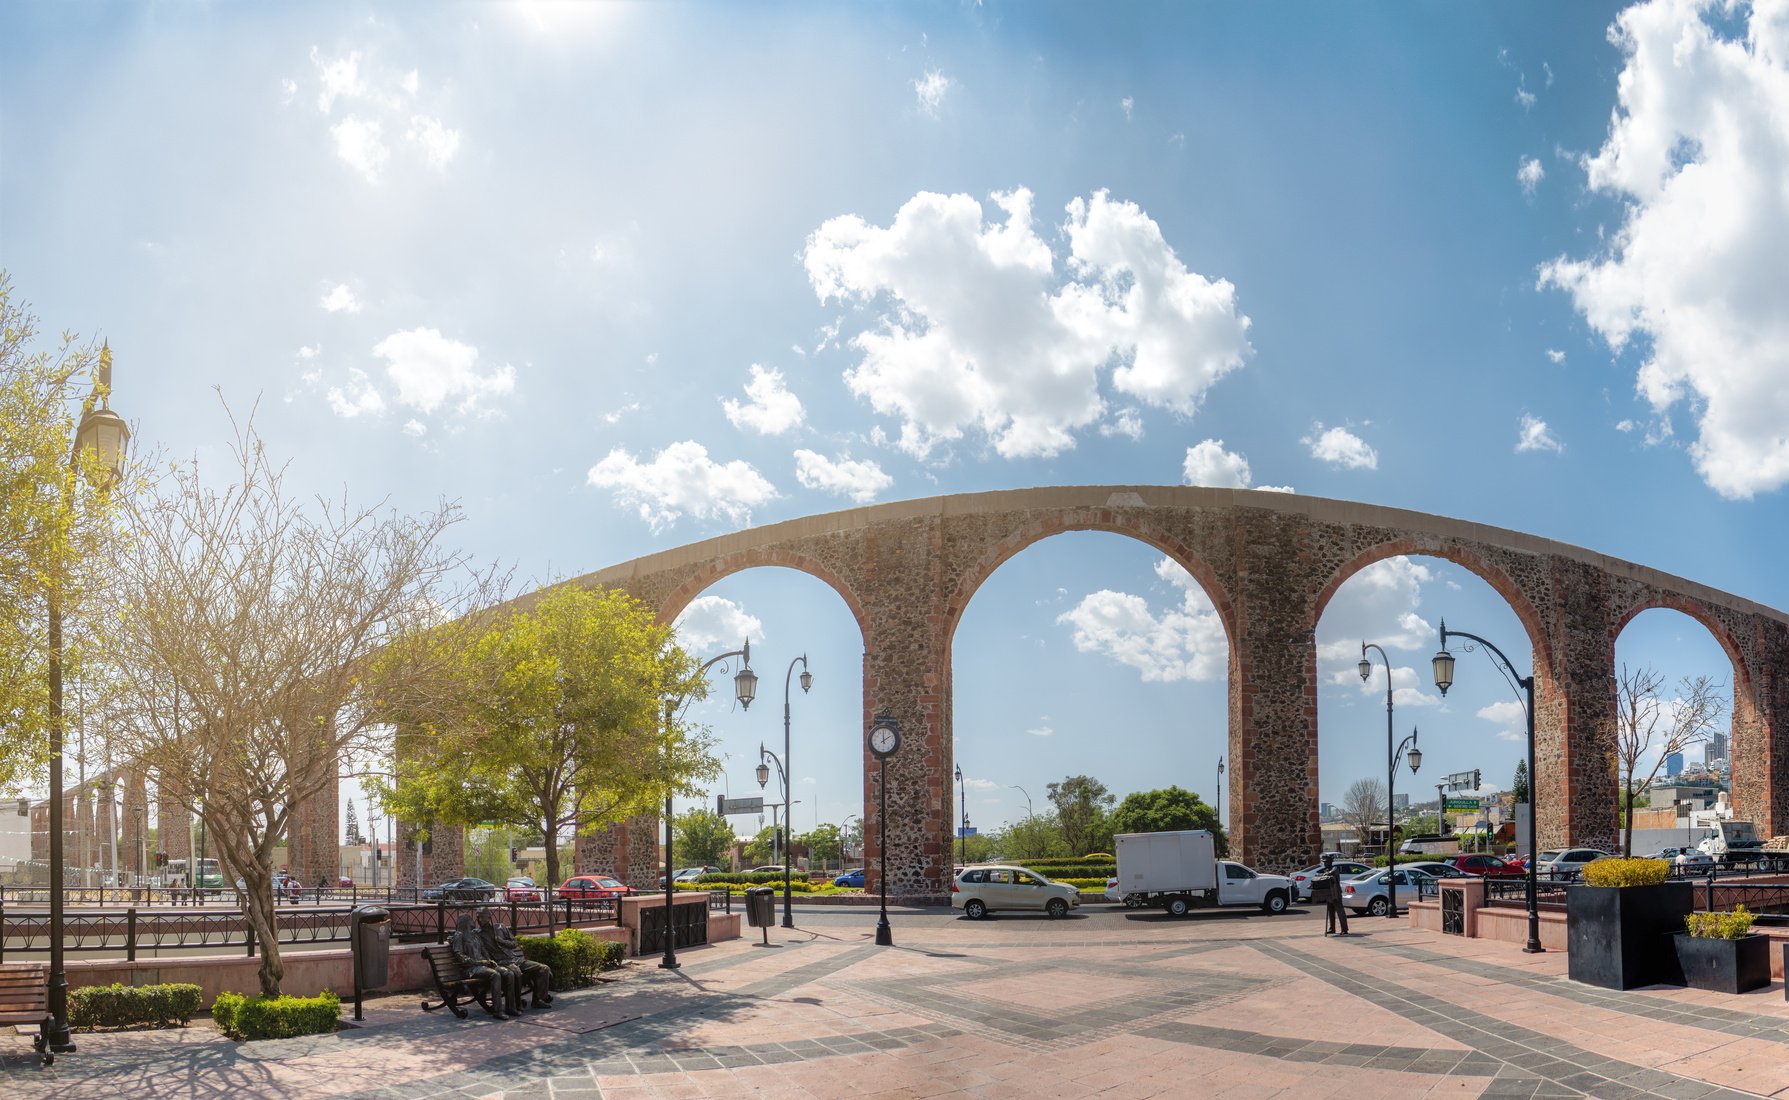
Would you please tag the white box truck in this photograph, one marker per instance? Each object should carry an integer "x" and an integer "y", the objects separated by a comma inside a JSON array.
[{"x": 1180, "y": 870}]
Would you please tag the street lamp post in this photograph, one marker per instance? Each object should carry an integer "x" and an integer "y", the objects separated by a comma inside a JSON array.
[
  {"x": 807, "y": 681},
  {"x": 1027, "y": 795},
  {"x": 1217, "y": 799},
  {"x": 963, "y": 814},
  {"x": 1441, "y": 807},
  {"x": 782, "y": 773},
  {"x": 1444, "y": 679},
  {"x": 745, "y": 689},
  {"x": 1391, "y": 855},
  {"x": 103, "y": 434}
]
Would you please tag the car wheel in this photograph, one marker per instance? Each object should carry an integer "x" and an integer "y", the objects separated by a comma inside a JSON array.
[
  {"x": 1177, "y": 907},
  {"x": 975, "y": 909},
  {"x": 1378, "y": 906},
  {"x": 1275, "y": 903},
  {"x": 1056, "y": 909}
]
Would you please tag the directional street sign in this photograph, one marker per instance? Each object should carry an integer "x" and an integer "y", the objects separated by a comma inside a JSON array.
[
  {"x": 1462, "y": 805},
  {"x": 965, "y": 831},
  {"x": 725, "y": 805}
]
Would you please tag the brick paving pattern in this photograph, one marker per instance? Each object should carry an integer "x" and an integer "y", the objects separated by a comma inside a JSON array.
[{"x": 1110, "y": 1004}]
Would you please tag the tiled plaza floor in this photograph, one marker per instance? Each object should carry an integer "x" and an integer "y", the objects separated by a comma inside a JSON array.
[{"x": 1107, "y": 1003}]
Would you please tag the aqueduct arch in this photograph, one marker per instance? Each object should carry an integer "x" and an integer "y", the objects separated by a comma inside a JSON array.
[{"x": 1269, "y": 562}]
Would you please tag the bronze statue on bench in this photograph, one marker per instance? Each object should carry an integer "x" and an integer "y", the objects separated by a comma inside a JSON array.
[
  {"x": 470, "y": 952},
  {"x": 501, "y": 943}
]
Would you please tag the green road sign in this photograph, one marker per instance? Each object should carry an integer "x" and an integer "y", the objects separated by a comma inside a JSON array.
[{"x": 1462, "y": 805}]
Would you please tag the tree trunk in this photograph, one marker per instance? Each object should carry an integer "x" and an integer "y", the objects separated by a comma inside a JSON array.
[
  {"x": 1627, "y": 834},
  {"x": 552, "y": 847},
  {"x": 261, "y": 913}
]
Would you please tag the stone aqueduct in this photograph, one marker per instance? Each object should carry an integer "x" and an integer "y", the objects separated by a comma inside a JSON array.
[{"x": 1269, "y": 563}]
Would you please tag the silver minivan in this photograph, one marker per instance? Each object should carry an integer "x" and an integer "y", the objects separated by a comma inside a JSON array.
[{"x": 979, "y": 891}]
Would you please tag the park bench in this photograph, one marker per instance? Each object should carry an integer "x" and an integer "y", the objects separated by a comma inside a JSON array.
[
  {"x": 451, "y": 983},
  {"x": 25, "y": 999}
]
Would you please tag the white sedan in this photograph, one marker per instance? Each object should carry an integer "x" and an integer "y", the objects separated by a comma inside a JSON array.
[{"x": 1367, "y": 893}]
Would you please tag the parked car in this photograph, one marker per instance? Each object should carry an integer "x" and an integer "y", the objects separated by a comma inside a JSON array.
[
  {"x": 522, "y": 888},
  {"x": 1685, "y": 859},
  {"x": 767, "y": 869},
  {"x": 1567, "y": 863},
  {"x": 1368, "y": 893},
  {"x": 852, "y": 879},
  {"x": 1487, "y": 866},
  {"x": 343, "y": 882},
  {"x": 1435, "y": 870},
  {"x": 1301, "y": 880},
  {"x": 595, "y": 888},
  {"x": 979, "y": 891},
  {"x": 462, "y": 889}
]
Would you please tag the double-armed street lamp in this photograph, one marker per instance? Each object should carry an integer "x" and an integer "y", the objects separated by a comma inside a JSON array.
[
  {"x": 765, "y": 759},
  {"x": 807, "y": 681},
  {"x": 1394, "y": 751},
  {"x": 1027, "y": 795},
  {"x": 99, "y": 445},
  {"x": 1444, "y": 679},
  {"x": 745, "y": 689}
]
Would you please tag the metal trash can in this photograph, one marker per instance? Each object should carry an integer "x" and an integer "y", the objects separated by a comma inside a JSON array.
[
  {"x": 760, "y": 909},
  {"x": 369, "y": 939}
]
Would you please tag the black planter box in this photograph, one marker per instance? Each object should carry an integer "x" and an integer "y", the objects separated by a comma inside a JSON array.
[
  {"x": 1619, "y": 937},
  {"x": 1725, "y": 966}
]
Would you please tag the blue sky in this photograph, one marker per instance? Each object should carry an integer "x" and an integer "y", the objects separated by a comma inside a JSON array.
[{"x": 621, "y": 277}]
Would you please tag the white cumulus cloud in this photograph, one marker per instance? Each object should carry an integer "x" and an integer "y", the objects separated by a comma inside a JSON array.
[
  {"x": 1532, "y": 434},
  {"x": 771, "y": 410},
  {"x": 1509, "y": 716},
  {"x": 712, "y": 621},
  {"x": 337, "y": 79},
  {"x": 1209, "y": 464},
  {"x": 861, "y": 481},
  {"x": 1341, "y": 448},
  {"x": 340, "y": 299},
  {"x": 1182, "y": 643},
  {"x": 1379, "y": 604},
  {"x": 360, "y": 143},
  {"x": 982, "y": 330},
  {"x": 430, "y": 369},
  {"x": 1555, "y": 356},
  {"x": 682, "y": 480},
  {"x": 437, "y": 141},
  {"x": 358, "y": 398},
  {"x": 1127, "y": 422},
  {"x": 931, "y": 90},
  {"x": 1529, "y": 174},
  {"x": 1696, "y": 153}
]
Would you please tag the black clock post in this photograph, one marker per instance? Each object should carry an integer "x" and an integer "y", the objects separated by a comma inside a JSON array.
[{"x": 885, "y": 738}]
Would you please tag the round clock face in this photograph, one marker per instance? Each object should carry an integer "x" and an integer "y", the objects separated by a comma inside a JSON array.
[{"x": 884, "y": 740}]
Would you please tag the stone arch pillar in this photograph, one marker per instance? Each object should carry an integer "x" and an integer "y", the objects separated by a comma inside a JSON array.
[
  {"x": 134, "y": 854},
  {"x": 1575, "y": 727},
  {"x": 313, "y": 849},
  {"x": 1763, "y": 792},
  {"x": 445, "y": 859},
  {"x": 1272, "y": 748}
]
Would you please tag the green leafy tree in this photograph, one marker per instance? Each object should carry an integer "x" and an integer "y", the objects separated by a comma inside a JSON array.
[
  {"x": 1519, "y": 786},
  {"x": 56, "y": 530},
  {"x": 487, "y": 855},
  {"x": 825, "y": 844},
  {"x": 703, "y": 839},
  {"x": 1038, "y": 836},
  {"x": 572, "y": 722},
  {"x": 1168, "y": 809},
  {"x": 1081, "y": 803},
  {"x": 758, "y": 850}
]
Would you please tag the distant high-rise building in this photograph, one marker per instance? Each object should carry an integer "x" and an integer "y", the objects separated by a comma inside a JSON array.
[
  {"x": 1674, "y": 765},
  {"x": 1719, "y": 745},
  {"x": 1400, "y": 801}
]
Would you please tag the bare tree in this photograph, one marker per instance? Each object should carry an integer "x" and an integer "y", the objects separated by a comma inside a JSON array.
[
  {"x": 1363, "y": 807},
  {"x": 1646, "y": 724},
  {"x": 249, "y": 653}
]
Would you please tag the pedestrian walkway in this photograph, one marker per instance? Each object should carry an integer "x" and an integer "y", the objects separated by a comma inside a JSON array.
[{"x": 1110, "y": 1003}]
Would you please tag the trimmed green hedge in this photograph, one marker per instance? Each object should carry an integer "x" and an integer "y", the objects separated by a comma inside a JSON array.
[
  {"x": 796, "y": 886},
  {"x": 1064, "y": 870},
  {"x": 574, "y": 955},
  {"x": 797, "y": 879},
  {"x": 1097, "y": 885},
  {"x": 94, "y": 1006},
  {"x": 256, "y": 1017}
]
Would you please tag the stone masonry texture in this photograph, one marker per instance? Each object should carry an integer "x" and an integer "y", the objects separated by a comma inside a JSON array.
[{"x": 1269, "y": 562}]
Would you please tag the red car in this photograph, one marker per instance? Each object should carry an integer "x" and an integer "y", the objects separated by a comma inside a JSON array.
[
  {"x": 595, "y": 888},
  {"x": 1487, "y": 866}
]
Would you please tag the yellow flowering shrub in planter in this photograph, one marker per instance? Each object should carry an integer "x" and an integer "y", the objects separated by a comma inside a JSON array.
[{"x": 1626, "y": 872}]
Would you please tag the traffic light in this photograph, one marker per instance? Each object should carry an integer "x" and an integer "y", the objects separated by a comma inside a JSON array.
[
  {"x": 376, "y": 855},
  {"x": 161, "y": 859},
  {"x": 1476, "y": 781},
  {"x": 514, "y": 853}
]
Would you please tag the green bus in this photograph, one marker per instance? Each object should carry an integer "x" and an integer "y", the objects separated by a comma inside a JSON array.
[{"x": 211, "y": 875}]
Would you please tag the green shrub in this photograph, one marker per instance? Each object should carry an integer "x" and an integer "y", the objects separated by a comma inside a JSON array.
[
  {"x": 94, "y": 1006},
  {"x": 256, "y": 1017},
  {"x": 1721, "y": 926},
  {"x": 1626, "y": 872},
  {"x": 573, "y": 955},
  {"x": 1097, "y": 885},
  {"x": 796, "y": 886},
  {"x": 797, "y": 879}
]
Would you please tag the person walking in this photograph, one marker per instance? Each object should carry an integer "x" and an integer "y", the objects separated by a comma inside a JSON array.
[{"x": 1335, "y": 920}]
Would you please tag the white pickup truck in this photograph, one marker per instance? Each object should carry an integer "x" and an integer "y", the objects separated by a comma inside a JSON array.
[{"x": 1179, "y": 870}]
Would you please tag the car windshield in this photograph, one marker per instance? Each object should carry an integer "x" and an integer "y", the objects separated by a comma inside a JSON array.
[{"x": 1549, "y": 855}]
